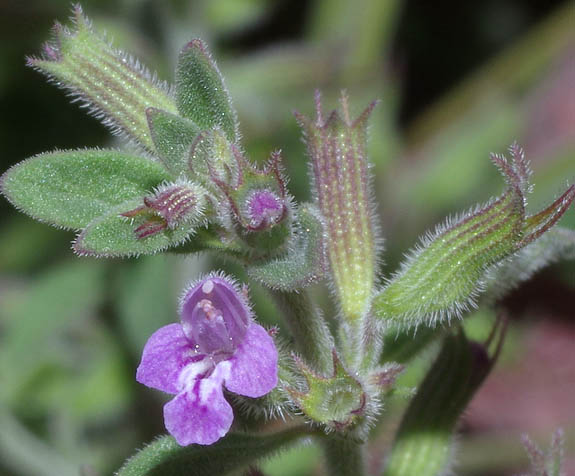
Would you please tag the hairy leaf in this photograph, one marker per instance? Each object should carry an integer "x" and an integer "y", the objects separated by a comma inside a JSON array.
[
  {"x": 114, "y": 235},
  {"x": 304, "y": 262},
  {"x": 116, "y": 88},
  {"x": 72, "y": 188},
  {"x": 201, "y": 94},
  {"x": 172, "y": 136},
  {"x": 164, "y": 457}
]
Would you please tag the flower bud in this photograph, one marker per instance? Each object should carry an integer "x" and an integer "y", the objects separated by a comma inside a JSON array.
[
  {"x": 337, "y": 149},
  {"x": 169, "y": 207},
  {"x": 115, "y": 88},
  {"x": 263, "y": 209},
  {"x": 257, "y": 198},
  {"x": 254, "y": 202}
]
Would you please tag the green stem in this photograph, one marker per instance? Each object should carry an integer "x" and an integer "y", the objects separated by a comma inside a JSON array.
[
  {"x": 311, "y": 334},
  {"x": 360, "y": 343},
  {"x": 350, "y": 342},
  {"x": 344, "y": 457}
]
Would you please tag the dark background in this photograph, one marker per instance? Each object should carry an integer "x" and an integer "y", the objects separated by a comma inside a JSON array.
[{"x": 457, "y": 80}]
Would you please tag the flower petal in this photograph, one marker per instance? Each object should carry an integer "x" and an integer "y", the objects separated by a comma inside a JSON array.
[
  {"x": 254, "y": 366},
  {"x": 165, "y": 355},
  {"x": 200, "y": 415}
]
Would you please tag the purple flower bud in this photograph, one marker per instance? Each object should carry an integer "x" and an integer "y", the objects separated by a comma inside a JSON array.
[
  {"x": 256, "y": 198},
  {"x": 264, "y": 208},
  {"x": 168, "y": 207},
  {"x": 217, "y": 344}
]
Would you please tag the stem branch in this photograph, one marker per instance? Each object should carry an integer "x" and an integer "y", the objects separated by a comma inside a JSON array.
[{"x": 312, "y": 336}]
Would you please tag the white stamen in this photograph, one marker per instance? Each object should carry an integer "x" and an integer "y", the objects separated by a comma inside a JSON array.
[{"x": 210, "y": 311}]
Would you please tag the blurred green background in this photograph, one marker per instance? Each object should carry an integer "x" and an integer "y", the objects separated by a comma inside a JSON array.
[{"x": 456, "y": 80}]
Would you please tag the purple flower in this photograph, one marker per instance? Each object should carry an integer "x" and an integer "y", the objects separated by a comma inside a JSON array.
[{"x": 216, "y": 344}]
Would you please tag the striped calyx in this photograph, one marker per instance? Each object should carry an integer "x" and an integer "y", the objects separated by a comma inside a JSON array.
[
  {"x": 169, "y": 207},
  {"x": 116, "y": 88},
  {"x": 442, "y": 277},
  {"x": 337, "y": 148}
]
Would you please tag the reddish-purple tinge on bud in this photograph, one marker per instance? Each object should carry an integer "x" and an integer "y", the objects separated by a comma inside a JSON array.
[
  {"x": 215, "y": 316},
  {"x": 51, "y": 53},
  {"x": 172, "y": 204},
  {"x": 168, "y": 207},
  {"x": 257, "y": 198},
  {"x": 337, "y": 146},
  {"x": 264, "y": 208}
]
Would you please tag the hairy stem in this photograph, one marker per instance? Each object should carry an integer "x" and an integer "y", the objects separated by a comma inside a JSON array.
[
  {"x": 344, "y": 457},
  {"x": 311, "y": 334}
]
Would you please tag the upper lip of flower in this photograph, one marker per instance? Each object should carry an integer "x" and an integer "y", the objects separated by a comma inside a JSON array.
[{"x": 214, "y": 316}]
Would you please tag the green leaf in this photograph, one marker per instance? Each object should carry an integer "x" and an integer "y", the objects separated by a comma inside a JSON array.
[
  {"x": 172, "y": 136},
  {"x": 164, "y": 457},
  {"x": 423, "y": 442},
  {"x": 116, "y": 88},
  {"x": 201, "y": 94},
  {"x": 304, "y": 262},
  {"x": 212, "y": 153},
  {"x": 113, "y": 235},
  {"x": 72, "y": 188}
]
